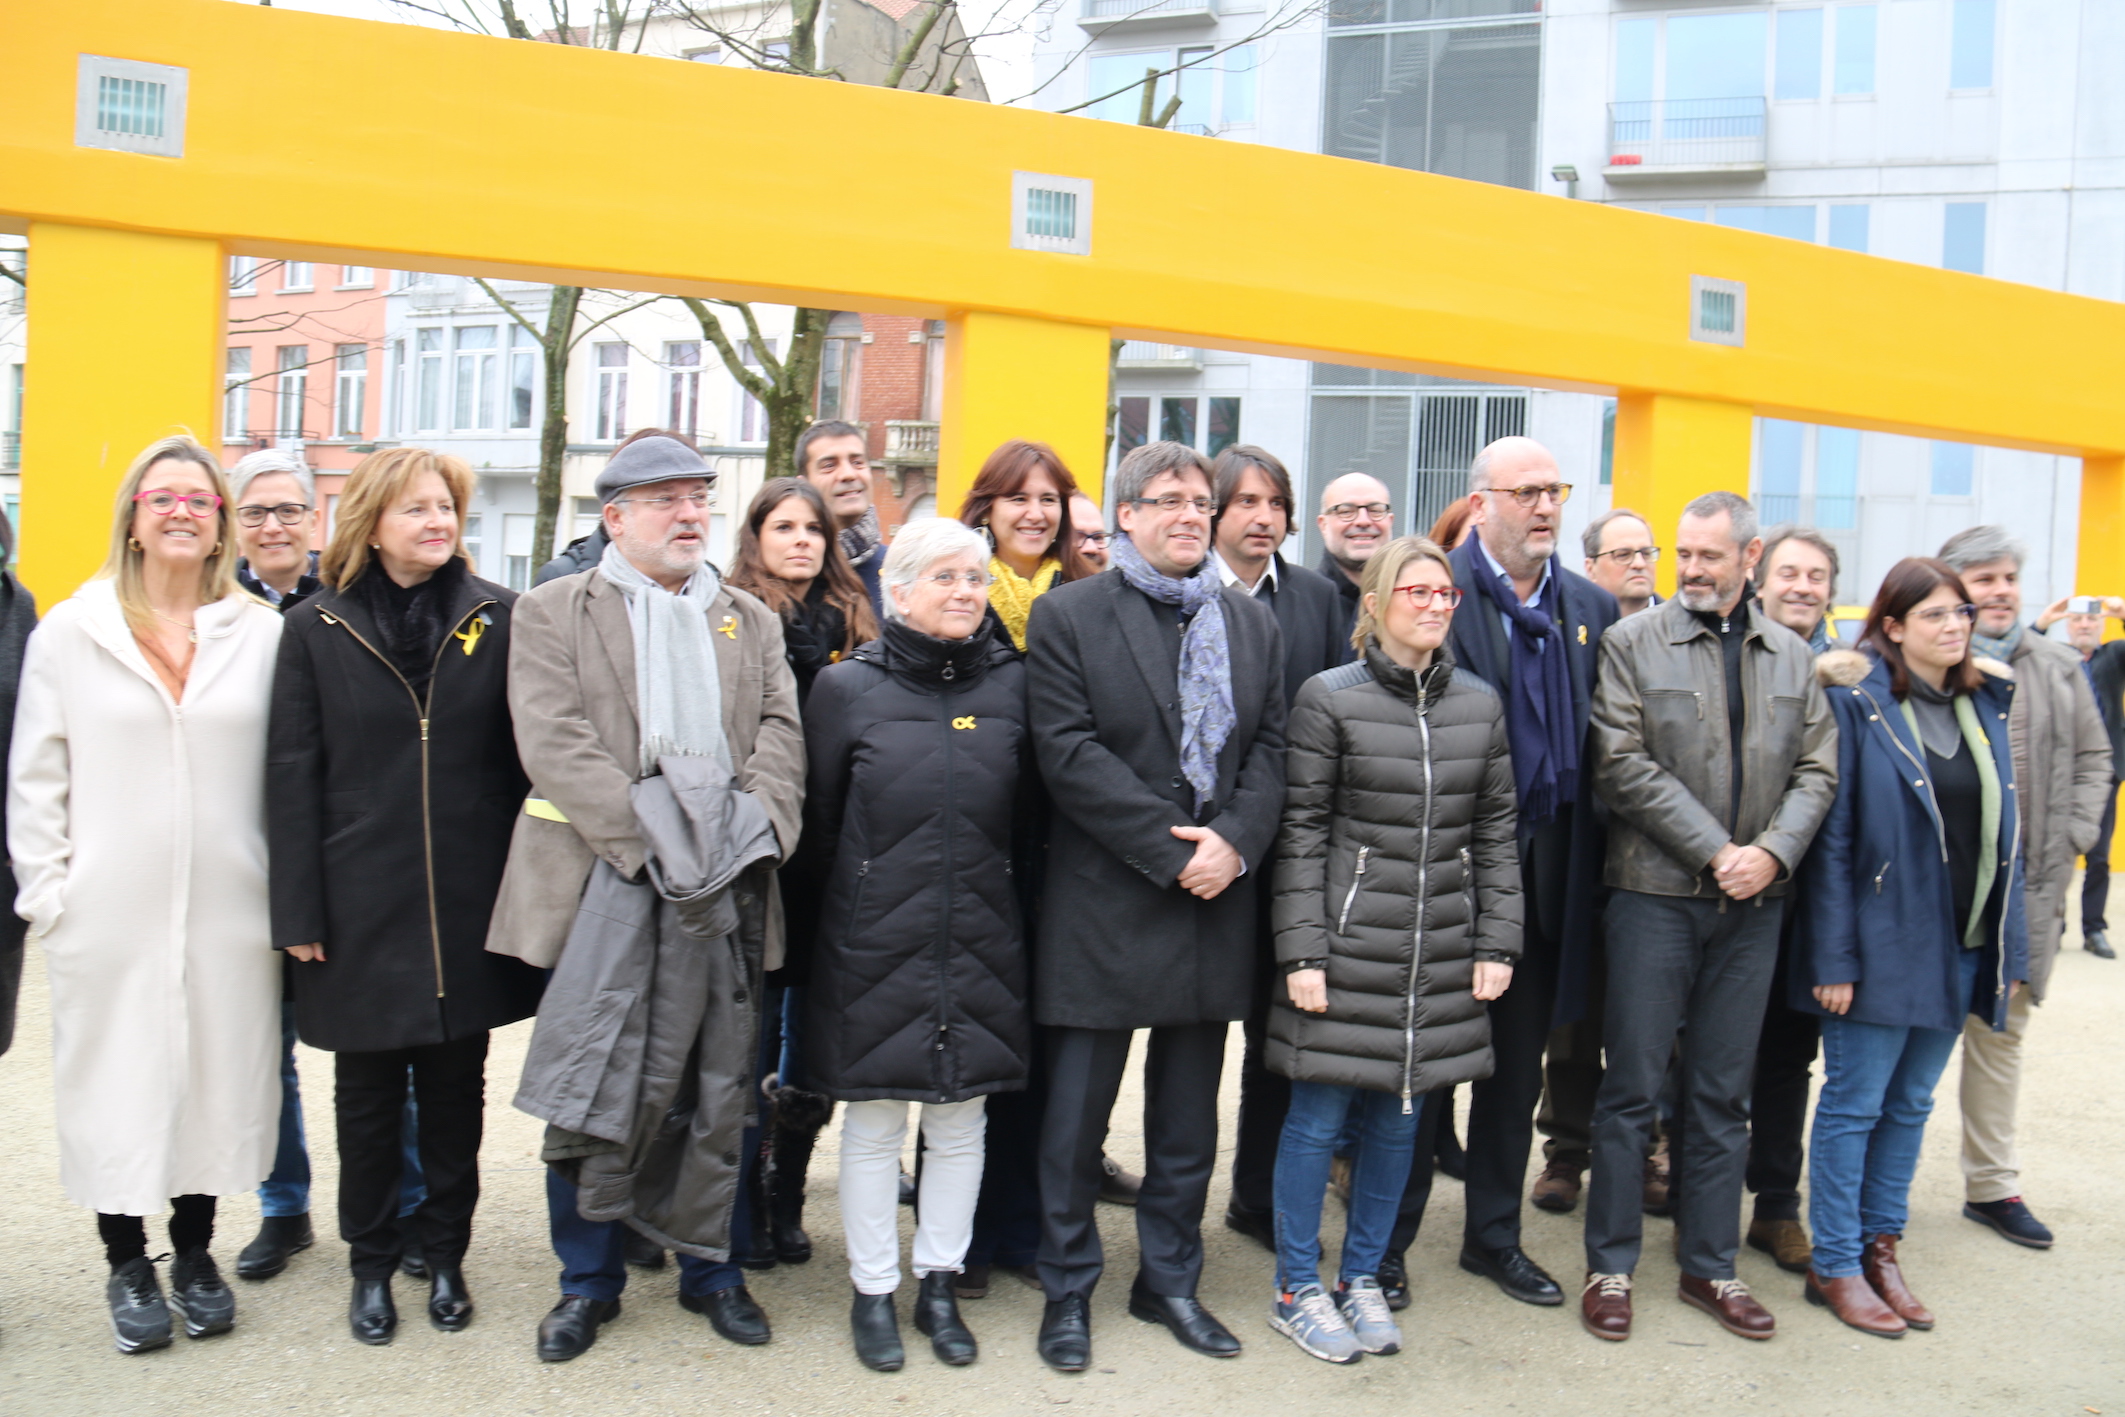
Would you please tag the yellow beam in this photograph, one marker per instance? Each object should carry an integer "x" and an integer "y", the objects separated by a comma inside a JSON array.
[
  {"x": 88, "y": 409},
  {"x": 466, "y": 154},
  {"x": 1010, "y": 377},
  {"x": 1670, "y": 449}
]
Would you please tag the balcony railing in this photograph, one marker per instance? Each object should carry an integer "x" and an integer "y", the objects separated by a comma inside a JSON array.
[
  {"x": 10, "y": 451},
  {"x": 1143, "y": 354},
  {"x": 907, "y": 441},
  {"x": 1676, "y": 137},
  {"x": 1101, "y": 15}
]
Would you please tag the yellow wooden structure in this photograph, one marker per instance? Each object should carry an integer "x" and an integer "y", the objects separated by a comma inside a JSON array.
[{"x": 320, "y": 138}]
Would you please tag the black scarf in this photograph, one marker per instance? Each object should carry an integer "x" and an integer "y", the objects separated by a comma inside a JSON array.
[
  {"x": 813, "y": 630},
  {"x": 1539, "y": 721},
  {"x": 411, "y": 620}
]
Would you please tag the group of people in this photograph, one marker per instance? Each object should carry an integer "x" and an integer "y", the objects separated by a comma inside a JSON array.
[{"x": 947, "y": 819}]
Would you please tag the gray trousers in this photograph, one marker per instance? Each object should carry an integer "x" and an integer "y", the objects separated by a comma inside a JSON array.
[{"x": 1674, "y": 960}]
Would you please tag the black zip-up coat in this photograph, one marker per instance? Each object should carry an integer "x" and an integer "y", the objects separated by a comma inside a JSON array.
[
  {"x": 917, "y": 749},
  {"x": 389, "y": 815},
  {"x": 1397, "y": 866}
]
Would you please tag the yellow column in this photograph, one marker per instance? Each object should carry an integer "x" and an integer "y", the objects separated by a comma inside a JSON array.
[
  {"x": 1670, "y": 449},
  {"x": 2099, "y": 567},
  {"x": 1007, "y": 376},
  {"x": 125, "y": 346}
]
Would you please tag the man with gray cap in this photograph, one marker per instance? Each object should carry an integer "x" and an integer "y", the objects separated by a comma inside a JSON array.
[{"x": 645, "y": 656}]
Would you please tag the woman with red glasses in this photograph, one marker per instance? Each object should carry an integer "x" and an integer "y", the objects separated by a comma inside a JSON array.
[{"x": 136, "y": 819}]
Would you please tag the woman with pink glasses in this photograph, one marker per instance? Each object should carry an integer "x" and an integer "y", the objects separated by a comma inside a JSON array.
[{"x": 136, "y": 819}]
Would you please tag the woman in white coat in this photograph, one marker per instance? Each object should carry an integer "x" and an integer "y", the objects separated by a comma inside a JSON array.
[{"x": 136, "y": 816}]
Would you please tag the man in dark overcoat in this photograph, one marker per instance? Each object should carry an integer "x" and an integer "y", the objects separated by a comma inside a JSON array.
[{"x": 1158, "y": 718}]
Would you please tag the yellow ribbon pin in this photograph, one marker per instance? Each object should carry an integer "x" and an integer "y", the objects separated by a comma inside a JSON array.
[
  {"x": 967, "y": 722},
  {"x": 1582, "y": 634},
  {"x": 729, "y": 627},
  {"x": 470, "y": 635}
]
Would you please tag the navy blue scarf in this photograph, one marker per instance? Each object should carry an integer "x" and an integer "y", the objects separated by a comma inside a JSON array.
[{"x": 1539, "y": 722}]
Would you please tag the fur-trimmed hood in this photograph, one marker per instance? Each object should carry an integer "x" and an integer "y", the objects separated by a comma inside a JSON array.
[{"x": 1842, "y": 668}]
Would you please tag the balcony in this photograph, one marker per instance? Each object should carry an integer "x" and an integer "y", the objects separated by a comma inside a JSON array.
[
  {"x": 909, "y": 443},
  {"x": 1101, "y": 16},
  {"x": 1143, "y": 355},
  {"x": 10, "y": 450},
  {"x": 1655, "y": 139}
]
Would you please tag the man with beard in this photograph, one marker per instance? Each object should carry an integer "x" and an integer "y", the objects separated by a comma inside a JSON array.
[
  {"x": 1715, "y": 751},
  {"x": 1621, "y": 557},
  {"x": 2104, "y": 664},
  {"x": 830, "y": 455},
  {"x": 1357, "y": 518},
  {"x": 1091, "y": 530},
  {"x": 2062, "y": 776}
]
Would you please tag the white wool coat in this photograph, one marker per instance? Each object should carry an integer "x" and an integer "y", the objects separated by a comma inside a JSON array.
[{"x": 137, "y": 827}]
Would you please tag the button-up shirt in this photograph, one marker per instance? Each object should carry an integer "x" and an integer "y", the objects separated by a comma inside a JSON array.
[
  {"x": 1505, "y": 582},
  {"x": 1230, "y": 577}
]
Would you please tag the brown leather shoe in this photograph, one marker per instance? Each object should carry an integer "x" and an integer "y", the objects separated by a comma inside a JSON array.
[
  {"x": 1557, "y": 1188},
  {"x": 1605, "y": 1306},
  {"x": 1855, "y": 1303},
  {"x": 1728, "y": 1301},
  {"x": 1878, "y": 1264},
  {"x": 1785, "y": 1241},
  {"x": 1656, "y": 1200}
]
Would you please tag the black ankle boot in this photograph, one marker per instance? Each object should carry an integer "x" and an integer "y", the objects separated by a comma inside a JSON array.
[
  {"x": 371, "y": 1315},
  {"x": 877, "y": 1332},
  {"x": 449, "y": 1301},
  {"x": 798, "y": 1117},
  {"x": 937, "y": 1314}
]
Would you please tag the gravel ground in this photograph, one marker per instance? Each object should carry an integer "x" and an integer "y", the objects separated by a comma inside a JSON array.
[{"x": 2020, "y": 1332}]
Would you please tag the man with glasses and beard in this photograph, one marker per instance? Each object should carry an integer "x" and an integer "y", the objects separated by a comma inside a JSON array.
[
  {"x": 1357, "y": 518},
  {"x": 1714, "y": 749}
]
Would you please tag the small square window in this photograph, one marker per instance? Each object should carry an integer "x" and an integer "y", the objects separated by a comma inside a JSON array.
[
  {"x": 129, "y": 106},
  {"x": 1051, "y": 213},
  {"x": 1718, "y": 310}
]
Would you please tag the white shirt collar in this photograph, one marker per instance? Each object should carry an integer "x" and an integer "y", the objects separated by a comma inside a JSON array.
[
  {"x": 1230, "y": 577},
  {"x": 1502, "y": 574}
]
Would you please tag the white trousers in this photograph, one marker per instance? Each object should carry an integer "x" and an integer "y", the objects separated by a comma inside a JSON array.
[{"x": 872, "y": 1134}]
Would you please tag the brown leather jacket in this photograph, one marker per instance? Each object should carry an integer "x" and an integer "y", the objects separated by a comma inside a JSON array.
[{"x": 1660, "y": 756}]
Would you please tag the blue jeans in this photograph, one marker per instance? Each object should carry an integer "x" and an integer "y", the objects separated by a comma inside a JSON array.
[
  {"x": 286, "y": 1190},
  {"x": 1870, "y": 1121},
  {"x": 1387, "y": 1138},
  {"x": 593, "y": 1253}
]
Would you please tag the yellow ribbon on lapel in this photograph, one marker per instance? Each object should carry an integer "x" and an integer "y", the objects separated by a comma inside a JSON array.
[
  {"x": 729, "y": 628},
  {"x": 470, "y": 635}
]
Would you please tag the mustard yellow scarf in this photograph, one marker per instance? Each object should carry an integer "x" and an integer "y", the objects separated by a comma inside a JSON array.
[{"x": 1012, "y": 595}]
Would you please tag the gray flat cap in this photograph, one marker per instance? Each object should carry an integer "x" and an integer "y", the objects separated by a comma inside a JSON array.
[{"x": 651, "y": 460}]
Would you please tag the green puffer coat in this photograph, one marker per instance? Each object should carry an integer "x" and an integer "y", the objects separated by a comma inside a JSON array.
[{"x": 1396, "y": 865}]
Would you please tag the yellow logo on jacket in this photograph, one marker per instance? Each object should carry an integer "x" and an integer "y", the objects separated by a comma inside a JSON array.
[
  {"x": 470, "y": 635},
  {"x": 729, "y": 627},
  {"x": 966, "y": 722}
]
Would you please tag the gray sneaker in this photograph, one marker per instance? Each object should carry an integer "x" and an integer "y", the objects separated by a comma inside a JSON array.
[
  {"x": 1310, "y": 1319},
  {"x": 1363, "y": 1305}
]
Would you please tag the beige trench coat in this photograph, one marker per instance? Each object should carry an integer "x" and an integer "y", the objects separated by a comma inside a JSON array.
[{"x": 2062, "y": 773}]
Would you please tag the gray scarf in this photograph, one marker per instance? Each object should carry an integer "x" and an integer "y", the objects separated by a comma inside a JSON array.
[
  {"x": 677, "y": 685},
  {"x": 862, "y": 541},
  {"x": 1207, "y": 715},
  {"x": 1999, "y": 647}
]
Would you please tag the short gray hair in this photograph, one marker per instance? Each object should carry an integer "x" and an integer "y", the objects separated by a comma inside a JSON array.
[
  {"x": 1784, "y": 532},
  {"x": 1741, "y": 513},
  {"x": 256, "y": 465},
  {"x": 1142, "y": 466},
  {"x": 921, "y": 544},
  {"x": 1591, "y": 539},
  {"x": 1981, "y": 546}
]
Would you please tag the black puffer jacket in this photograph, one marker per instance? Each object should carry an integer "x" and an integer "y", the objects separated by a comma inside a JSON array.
[
  {"x": 1396, "y": 865},
  {"x": 917, "y": 749}
]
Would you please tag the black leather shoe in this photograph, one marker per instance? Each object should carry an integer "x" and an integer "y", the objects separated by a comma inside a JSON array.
[
  {"x": 1394, "y": 1280},
  {"x": 140, "y": 1317},
  {"x": 571, "y": 1326},
  {"x": 792, "y": 1245},
  {"x": 1116, "y": 1186},
  {"x": 2097, "y": 943},
  {"x": 371, "y": 1314},
  {"x": 201, "y": 1295},
  {"x": 642, "y": 1252},
  {"x": 280, "y": 1238},
  {"x": 732, "y": 1313},
  {"x": 876, "y": 1329},
  {"x": 2012, "y": 1219},
  {"x": 1257, "y": 1225},
  {"x": 937, "y": 1315},
  {"x": 449, "y": 1301},
  {"x": 1188, "y": 1320},
  {"x": 1066, "y": 1334},
  {"x": 412, "y": 1261},
  {"x": 1511, "y": 1270}
]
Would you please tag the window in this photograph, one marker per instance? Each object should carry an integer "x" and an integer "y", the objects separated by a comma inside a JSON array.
[
  {"x": 1807, "y": 474},
  {"x": 428, "y": 380},
  {"x": 933, "y": 373},
  {"x": 350, "y": 389},
  {"x": 516, "y": 549},
  {"x": 1848, "y": 228},
  {"x": 1836, "y": 479},
  {"x": 1715, "y": 56},
  {"x": 291, "y": 385},
  {"x": 236, "y": 415},
  {"x": 296, "y": 275},
  {"x": 1799, "y": 71},
  {"x": 243, "y": 275},
  {"x": 1855, "y": 51},
  {"x": 1217, "y": 91},
  {"x": 523, "y": 375},
  {"x": 476, "y": 399},
  {"x": 752, "y": 417},
  {"x": 588, "y": 513},
  {"x": 1778, "y": 459},
  {"x": 1954, "y": 469},
  {"x": 1208, "y": 425},
  {"x": 470, "y": 531},
  {"x": 1608, "y": 442},
  {"x": 682, "y": 386},
  {"x": 713, "y": 54},
  {"x": 1963, "y": 237},
  {"x": 1415, "y": 433},
  {"x": 841, "y": 367},
  {"x": 612, "y": 392},
  {"x": 356, "y": 277},
  {"x": 1457, "y": 101},
  {"x": 397, "y": 416},
  {"x": 1132, "y": 421},
  {"x": 1796, "y": 223},
  {"x": 1970, "y": 47}
]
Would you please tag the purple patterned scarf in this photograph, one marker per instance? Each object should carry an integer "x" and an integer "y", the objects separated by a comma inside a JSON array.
[{"x": 1207, "y": 717}]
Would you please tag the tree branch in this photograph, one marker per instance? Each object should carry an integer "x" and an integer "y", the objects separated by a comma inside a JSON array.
[
  {"x": 913, "y": 47},
  {"x": 712, "y": 330}
]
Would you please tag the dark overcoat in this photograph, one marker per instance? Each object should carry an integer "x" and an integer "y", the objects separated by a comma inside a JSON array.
[
  {"x": 18, "y": 616},
  {"x": 1121, "y": 944},
  {"x": 389, "y": 815},
  {"x": 1563, "y": 860},
  {"x": 1310, "y": 613}
]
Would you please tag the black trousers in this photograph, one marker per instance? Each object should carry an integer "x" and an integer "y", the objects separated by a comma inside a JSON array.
[
  {"x": 1501, "y": 1108},
  {"x": 2095, "y": 886},
  {"x": 1675, "y": 960},
  {"x": 449, "y": 1088},
  {"x": 1181, "y": 1075},
  {"x": 1007, "y": 1215},
  {"x": 1778, "y": 1104},
  {"x": 1264, "y": 1099}
]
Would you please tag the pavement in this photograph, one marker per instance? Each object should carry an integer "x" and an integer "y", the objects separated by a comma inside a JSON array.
[{"x": 2021, "y": 1331}]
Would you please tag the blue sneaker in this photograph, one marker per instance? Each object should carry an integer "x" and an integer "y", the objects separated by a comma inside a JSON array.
[
  {"x": 1312, "y": 1321},
  {"x": 1363, "y": 1304}
]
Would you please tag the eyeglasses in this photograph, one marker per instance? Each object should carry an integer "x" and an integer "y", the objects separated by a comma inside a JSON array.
[
  {"x": 1630, "y": 555},
  {"x": 1350, "y": 511},
  {"x": 1092, "y": 540},
  {"x": 945, "y": 580},
  {"x": 1173, "y": 502},
  {"x": 163, "y": 502},
  {"x": 696, "y": 500},
  {"x": 1422, "y": 595},
  {"x": 286, "y": 513},
  {"x": 1940, "y": 614},
  {"x": 1532, "y": 493}
]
